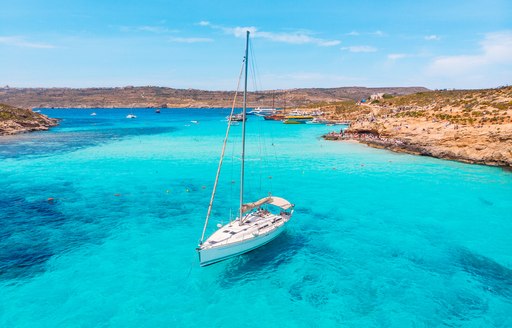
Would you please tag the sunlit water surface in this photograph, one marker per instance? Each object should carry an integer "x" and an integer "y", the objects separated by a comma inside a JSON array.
[{"x": 378, "y": 239}]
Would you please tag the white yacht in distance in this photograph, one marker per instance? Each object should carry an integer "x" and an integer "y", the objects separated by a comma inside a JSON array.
[
  {"x": 263, "y": 111},
  {"x": 257, "y": 223},
  {"x": 131, "y": 116}
]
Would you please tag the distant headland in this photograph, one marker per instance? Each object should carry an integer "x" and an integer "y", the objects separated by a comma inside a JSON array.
[
  {"x": 17, "y": 120},
  {"x": 161, "y": 97}
]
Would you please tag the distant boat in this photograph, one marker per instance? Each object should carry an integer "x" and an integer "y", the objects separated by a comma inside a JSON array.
[
  {"x": 93, "y": 114},
  {"x": 195, "y": 122},
  {"x": 316, "y": 121},
  {"x": 274, "y": 117},
  {"x": 264, "y": 111},
  {"x": 257, "y": 224},
  {"x": 37, "y": 111},
  {"x": 237, "y": 118},
  {"x": 131, "y": 116},
  {"x": 297, "y": 119},
  {"x": 157, "y": 111}
]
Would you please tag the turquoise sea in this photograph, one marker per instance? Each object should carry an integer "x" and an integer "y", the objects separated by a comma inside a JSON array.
[{"x": 378, "y": 239}]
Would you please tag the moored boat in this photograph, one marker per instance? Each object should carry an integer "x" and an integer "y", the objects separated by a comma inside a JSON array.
[
  {"x": 257, "y": 223},
  {"x": 264, "y": 111},
  {"x": 297, "y": 119},
  {"x": 236, "y": 118},
  {"x": 274, "y": 117}
]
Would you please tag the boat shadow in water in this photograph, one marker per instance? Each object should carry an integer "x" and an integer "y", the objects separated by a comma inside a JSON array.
[
  {"x": 263, "y": 260},
  {"x": 493, "y": 276}
]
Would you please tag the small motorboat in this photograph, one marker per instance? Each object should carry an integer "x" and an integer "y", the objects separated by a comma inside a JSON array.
[
  {"x": 157, "y": 111},
  {"x": 131, "y": 116},
  {"x": 236, "y": 118},
  {"x": 195, "y": 122},
  {"x": 93, "y": 114}
]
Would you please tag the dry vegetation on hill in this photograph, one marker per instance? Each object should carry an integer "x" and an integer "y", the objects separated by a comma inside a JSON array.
[
  {"x": 467, "y": 125},
  {"x": 131, "y": 97}
]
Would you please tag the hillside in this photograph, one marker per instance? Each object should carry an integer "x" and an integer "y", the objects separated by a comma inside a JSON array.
[
  {"x": 467, "y": 125},
  {"x": 132, "y": 97},
  {"x": 15, "y": 120}
]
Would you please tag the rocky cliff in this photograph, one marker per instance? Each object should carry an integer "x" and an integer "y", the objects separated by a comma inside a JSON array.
[
  {"x": 17, "y": 120},
  {"x": 472, "y": 126}
]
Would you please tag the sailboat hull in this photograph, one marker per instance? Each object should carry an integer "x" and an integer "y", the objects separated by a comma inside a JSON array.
[{"x": 220, "y": 253}]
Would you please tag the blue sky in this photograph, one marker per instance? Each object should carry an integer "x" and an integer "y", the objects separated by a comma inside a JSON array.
[{"x": 199, "y": 44}]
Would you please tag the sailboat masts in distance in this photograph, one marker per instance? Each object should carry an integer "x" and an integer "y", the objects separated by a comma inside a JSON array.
[{"x": 257, "y": 223}]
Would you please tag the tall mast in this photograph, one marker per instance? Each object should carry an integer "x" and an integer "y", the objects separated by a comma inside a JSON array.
[{"x": 243, "y": 129}]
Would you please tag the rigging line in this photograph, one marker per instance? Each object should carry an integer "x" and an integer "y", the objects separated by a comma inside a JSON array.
[
  {"x": 263, "y": 137},
  {"x": 251, "y": 67},
  {"x": 254, "y": 63},
  {"x": 244, "y": 123},
  {"x": 265, "y": 161},
  {"x": 260, "y": 162},
  {"x": 257, "y": 86},
  {"x": 222, "y": 153},
  {"x": 232, "y": 180},
  {"x": 262, "y": 140}
]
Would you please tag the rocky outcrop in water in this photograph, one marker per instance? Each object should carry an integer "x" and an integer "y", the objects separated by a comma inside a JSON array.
[{"x": 18, "y": 120}]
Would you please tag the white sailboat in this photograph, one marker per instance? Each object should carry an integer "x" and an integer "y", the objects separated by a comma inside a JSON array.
[{"x": 257, "y": 223}]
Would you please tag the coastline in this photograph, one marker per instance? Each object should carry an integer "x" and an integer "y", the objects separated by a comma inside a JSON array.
[
  {"x": 401, "y": 146},
  {"x": 470, "y": 126},
  {"x": 18, "y": 120}
]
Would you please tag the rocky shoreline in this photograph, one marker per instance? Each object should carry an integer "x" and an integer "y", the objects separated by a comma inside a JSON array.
[
  {"x": 471, "y": 126},
  {"x": 18, "y": 120},
  {"x": 374, "y": 140}
]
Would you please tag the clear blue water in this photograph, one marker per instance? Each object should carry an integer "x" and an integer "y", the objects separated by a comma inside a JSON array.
[{"x": 378, "y": 239}]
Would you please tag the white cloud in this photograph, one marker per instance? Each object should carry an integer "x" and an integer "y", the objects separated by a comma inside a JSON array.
[
  {"x": 495, "y": 49},
  {"x": 164, "y": 30},
  {"x": 147, "y": 28},
  {"x": 298, "y": 37},
  {"x": 360, "y": 49},
  {"x": 375, "y": 33},
  {"x": 397, "y": 56},
  {"x": 154, "y": 29},
  {"x": 18, "y": 41},
  {"x": 203, "y": 23},
  {"x": 190, "y": 40},
  {"x": 432, "y": 37}
]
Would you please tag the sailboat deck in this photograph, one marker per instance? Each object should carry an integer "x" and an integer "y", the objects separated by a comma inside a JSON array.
[{"x": 255, "y": 224}]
